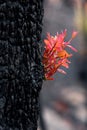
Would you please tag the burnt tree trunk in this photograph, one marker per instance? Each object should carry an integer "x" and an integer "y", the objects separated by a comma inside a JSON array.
[{"x": 21, "y": 70}]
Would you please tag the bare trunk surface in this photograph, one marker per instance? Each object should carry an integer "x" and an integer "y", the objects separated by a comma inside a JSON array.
[{"x": 21, "y": 71}]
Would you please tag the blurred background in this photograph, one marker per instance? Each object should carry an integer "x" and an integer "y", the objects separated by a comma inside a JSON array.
[{"x": 64, "y": 100}]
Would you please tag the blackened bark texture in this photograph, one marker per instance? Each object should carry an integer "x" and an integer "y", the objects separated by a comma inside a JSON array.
[{"x": 21, "y": 70}]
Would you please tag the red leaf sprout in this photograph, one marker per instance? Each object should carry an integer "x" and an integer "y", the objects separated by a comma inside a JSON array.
[{"x": 55, "y": 54}]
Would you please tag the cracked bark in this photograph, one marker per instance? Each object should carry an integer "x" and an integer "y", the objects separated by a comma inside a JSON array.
[{"x": 21, "y": 70}]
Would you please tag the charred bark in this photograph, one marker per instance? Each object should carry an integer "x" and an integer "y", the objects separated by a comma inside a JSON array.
[{"x": 21, "y": 70}]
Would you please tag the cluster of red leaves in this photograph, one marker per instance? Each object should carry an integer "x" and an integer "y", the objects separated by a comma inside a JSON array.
[{"x": 55, "y": 54}]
